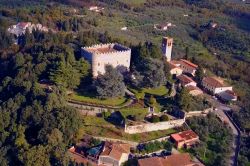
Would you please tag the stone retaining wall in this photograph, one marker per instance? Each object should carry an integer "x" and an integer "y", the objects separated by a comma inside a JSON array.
[{"x": 148, "y": 127}]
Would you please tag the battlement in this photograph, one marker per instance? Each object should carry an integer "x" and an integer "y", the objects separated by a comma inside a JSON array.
[{"x": 109, "y": 48}]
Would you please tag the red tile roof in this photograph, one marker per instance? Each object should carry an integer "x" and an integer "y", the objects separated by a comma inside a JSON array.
[
  {"x": 115, "y": 150},
  {"x": 184, "y": 79},
  {"x": 212, "y": 81},
  {"x": 22, "y": 24},
  {"x": 172, "y": 65},
  {"x": 189, "y": 63},
  {"x": 153, "y": 161},
  {"x": 184, "y": 136},
  {"x": 172, "y": 160},
  {"x": 102, "y": 50},
  {"x": 191, "y": 88}
]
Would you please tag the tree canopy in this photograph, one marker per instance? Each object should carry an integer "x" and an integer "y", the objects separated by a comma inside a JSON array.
[{"x": 110, "y": 84}]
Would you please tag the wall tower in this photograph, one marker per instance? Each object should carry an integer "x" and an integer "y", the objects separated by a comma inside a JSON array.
[{"x": 167, "y": 44}]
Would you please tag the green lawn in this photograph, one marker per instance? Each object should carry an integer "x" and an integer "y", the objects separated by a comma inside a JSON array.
[
  {"x": 140, "y": 113},
  {"x": 99, "y": 127},
  {"x": 89, "y": 99},
  {"x": 160, "y": 91}
]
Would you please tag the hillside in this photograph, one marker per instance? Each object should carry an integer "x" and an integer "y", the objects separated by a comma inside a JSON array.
[{"x": 40, "y": 69}]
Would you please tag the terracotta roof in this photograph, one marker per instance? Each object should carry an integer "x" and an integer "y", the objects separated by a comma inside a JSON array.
[
  {"x": 178, "y": 159},
  {"x": 184, "y": 135},
  {"x": 172, "y": 65},
  {"x": 176, "y": 62},
  {"x": 189, "y": 63},
  {"x": 102, "y": 50},
  {"x": 172, "y": 160},
  {"x": 213, "y": 81},
  {"x": 185, "y": 79},
  {"x": 153, "y": 161},
  {"x": 106, "y": 48},
  {"x": 22, "y": 24},
  {"x": 191, "y": 88},
  {"x": 115, "y": 150}
]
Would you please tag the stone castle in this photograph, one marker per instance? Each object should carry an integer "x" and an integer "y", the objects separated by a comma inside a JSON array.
[{"x": 107, "y": 54}]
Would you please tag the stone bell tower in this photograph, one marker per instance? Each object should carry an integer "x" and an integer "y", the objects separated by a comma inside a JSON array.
[{"x": 167, "y": 44}]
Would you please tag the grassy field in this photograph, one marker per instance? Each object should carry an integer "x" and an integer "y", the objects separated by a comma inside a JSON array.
[
  {"x": 99, "y": 127},
  {"x": 133, "y": 2},
  {"x": 160, "y": 91},
  {"x": 93, "y": 100},
  {"x": 140, "y": 113}
]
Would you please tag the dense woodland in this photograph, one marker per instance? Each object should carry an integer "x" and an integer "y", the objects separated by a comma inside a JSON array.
[
  {"x": 37, "y": 126},
  {"x": 216, "y": 139}
]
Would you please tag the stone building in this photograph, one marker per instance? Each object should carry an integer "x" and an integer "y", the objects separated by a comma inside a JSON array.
[
  {"x": 107, "y": 54},
  {"x": 167, "y": 44},
  {"x": 215, "y": 85},
  {"x": 218, "y": 87},
  {"x": 186, "y": 66}
]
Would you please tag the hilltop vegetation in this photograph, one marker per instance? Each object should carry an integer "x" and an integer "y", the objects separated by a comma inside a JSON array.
[{"x": 37, "y": 126}]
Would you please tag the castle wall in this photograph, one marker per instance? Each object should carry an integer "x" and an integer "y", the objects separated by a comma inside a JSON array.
[
  {"x": 118, "y": 59},
  {"x": 148, "y": 127},
  {"x": 121, "y": 60}
]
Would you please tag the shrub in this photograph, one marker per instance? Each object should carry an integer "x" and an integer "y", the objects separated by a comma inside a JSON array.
[
  {"x": 164, "y": 118},
  {"x": 132, "y": 117},
  {"x": 152, "y": 101},
  {"x": 155, "y": 119}
]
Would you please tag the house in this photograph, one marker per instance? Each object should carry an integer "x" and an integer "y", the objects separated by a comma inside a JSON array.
[
  {"x": 194, "y": 90},
  {"x": 228, "y": 95},
  {"x": 114, "y": 154},
  {"x": 215, "y": 85},
  {"x": 184, "y": 139},
  {"x": 174, "y": 70},
  {"x": 105, "y": 154},
  {"x": 186, "y": 81},
  {"x": 183, "y": 159},
  {"x": 96, "y": 9},
  {"x": 124, "y": 28},
  {"x": 21, "y": 27},
  {"x": 186, "y": 66},
  {"x": 112, "y": 54}
]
